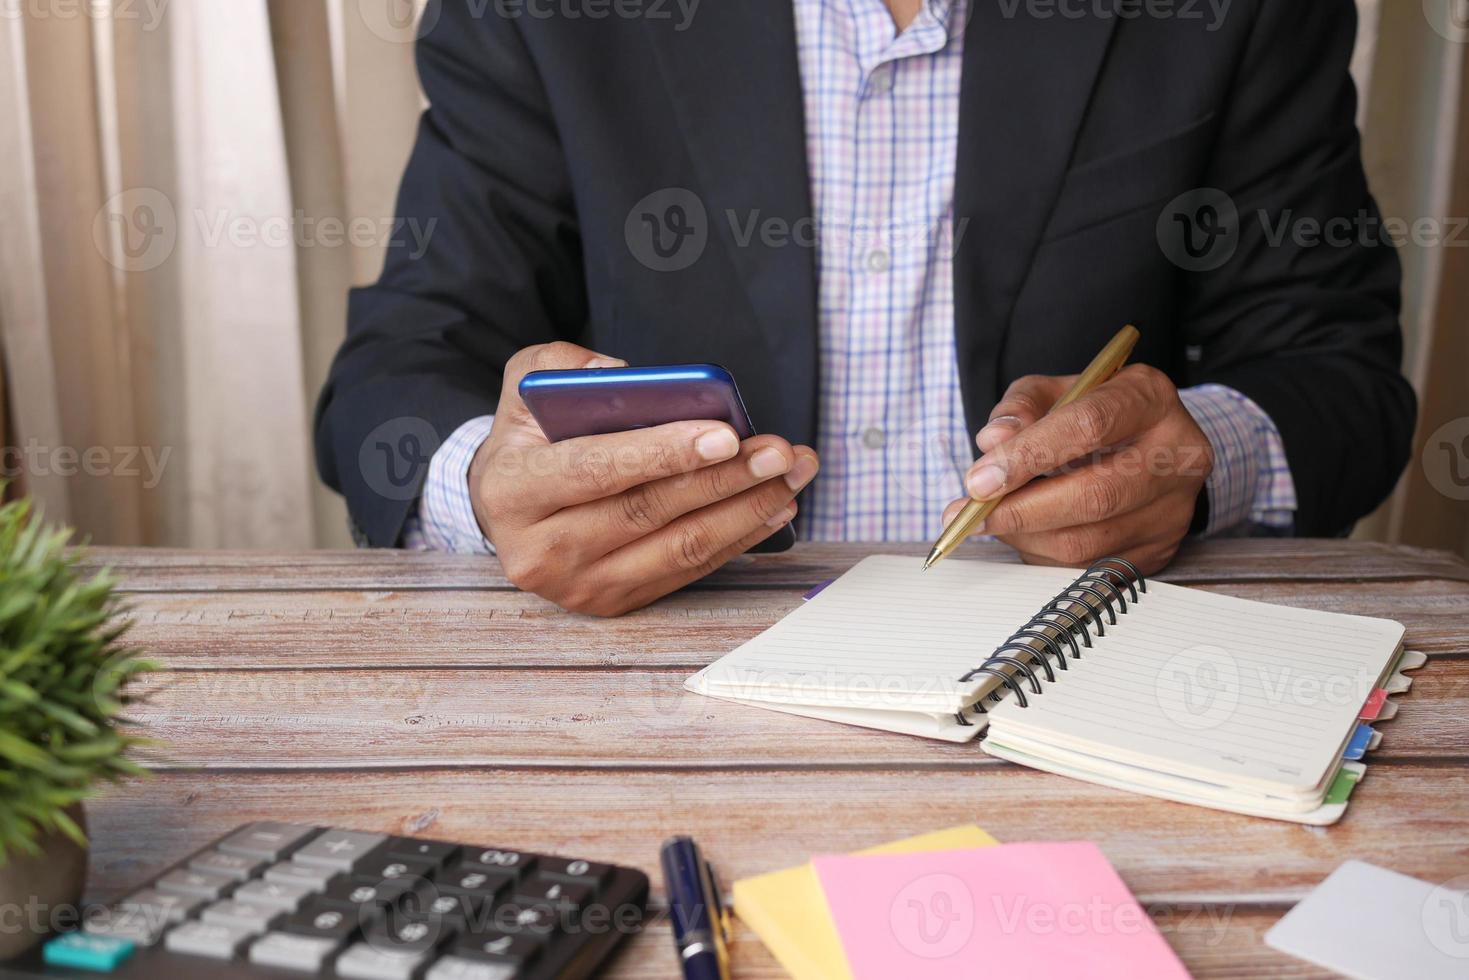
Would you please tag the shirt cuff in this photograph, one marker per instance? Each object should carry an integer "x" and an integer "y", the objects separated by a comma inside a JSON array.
[
  {"x": 445, "y": 519},
  {"x": 1250, "y": 489}
]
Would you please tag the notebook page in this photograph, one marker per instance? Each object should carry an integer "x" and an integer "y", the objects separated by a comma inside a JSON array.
[
  {"x": 1217, "y": 688},
  {"x": 889, "y": 636}
]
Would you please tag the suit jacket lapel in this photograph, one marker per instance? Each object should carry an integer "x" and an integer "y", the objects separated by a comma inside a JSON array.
[
  {"x": 1027, "y": 82},
  {"x": 735, "y": 83}
]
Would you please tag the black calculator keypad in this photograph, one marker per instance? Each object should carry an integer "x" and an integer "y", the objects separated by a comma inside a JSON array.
[{"x": 271, "y": 900}]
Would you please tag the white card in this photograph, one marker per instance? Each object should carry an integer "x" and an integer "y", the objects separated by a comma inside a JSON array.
[{"x": 1369, "y": 923}]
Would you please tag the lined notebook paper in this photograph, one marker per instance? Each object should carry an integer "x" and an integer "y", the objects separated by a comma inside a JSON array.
[{"x": 1189, "y": 695}]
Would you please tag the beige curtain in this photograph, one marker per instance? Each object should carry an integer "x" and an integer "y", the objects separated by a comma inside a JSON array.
[{"x": 192, "y": 185}]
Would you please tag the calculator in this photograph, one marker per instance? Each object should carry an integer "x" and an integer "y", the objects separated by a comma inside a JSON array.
[{"x": 282, "y": 900}]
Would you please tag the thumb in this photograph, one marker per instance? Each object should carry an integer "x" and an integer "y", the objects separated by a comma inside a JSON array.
[{"x": 559, "y": 356}]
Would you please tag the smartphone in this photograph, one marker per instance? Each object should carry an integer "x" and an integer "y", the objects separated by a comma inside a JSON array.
[{"x": 596, "y": 401}]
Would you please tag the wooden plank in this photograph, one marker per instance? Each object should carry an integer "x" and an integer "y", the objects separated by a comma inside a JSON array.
[
  {"x": 509, "y": 629},
  {"x": 584, "y": 719},
  {"x": 1407, "y": 817},
  {"x": 162, "y": 570}
]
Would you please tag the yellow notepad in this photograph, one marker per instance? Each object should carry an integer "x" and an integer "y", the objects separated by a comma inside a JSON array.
[{"x": 787, "y": 909}]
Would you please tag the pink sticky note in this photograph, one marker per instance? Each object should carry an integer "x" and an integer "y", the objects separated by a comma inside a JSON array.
[{"x": 1017, "y": 910}]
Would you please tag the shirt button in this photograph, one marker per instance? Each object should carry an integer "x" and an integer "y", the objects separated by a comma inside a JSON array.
[
  {"x": 880, "y": 81},
  {"x": 874, "y": 438},
  {"x": 878, "y": 260}
]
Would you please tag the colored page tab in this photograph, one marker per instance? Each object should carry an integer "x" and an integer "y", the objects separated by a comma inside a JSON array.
[
  {"x": 1360, "y": 743},
  {"x": 1374, "y": 704},
  {"x": 787, "y": 910},
  {"x": 1015, "y": 910},
  {"x": 1341, "y": 787}
]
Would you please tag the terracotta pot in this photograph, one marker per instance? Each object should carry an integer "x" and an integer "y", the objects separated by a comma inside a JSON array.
[{"x": 38, "y": 891}]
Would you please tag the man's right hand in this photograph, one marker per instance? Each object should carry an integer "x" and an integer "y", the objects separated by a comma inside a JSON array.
[{"x": 606, "y": 524}]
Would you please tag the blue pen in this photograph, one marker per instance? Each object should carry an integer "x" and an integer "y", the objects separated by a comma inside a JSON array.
[{"x": 700, "y": 928}]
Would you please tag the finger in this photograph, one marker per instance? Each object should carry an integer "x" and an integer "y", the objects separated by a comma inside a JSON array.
[
  {"x": 1089, "y": 494},
  {"x": 644, "y": 594},
  {"x": 558, "y": 356},
  {"x": 1141, "y": 531},
  {"x": 690, "y": 547},
  {"x": 608, "y": 524},
  {"x": 1130, "y": 403},
  {"x": 550, "y": 477},
  {"x": 1027, "y": 400}
]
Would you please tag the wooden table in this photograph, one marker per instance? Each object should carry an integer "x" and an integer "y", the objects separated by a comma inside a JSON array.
[{"x": 420, "y": 694}]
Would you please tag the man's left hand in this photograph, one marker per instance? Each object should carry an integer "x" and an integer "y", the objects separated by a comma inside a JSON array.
[{"x": 1123, "y": 469}]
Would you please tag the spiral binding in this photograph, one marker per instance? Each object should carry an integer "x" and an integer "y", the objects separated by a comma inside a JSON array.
[{"x": 1057, "y": 627}]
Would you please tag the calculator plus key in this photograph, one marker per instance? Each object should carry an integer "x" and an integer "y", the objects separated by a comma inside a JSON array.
[{"x": 339, "y": 850}]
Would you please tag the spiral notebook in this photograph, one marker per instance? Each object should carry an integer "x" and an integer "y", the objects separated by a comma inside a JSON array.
[{"x": 1099, "y": 675}]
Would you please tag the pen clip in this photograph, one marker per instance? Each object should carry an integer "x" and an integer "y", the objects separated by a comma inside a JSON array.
[{"x": 719, "y": 920}]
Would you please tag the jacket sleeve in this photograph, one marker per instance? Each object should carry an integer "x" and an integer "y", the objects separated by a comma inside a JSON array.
[
  {"x": 1306, "y": 329},
  {"x": 485, "y": 260}
]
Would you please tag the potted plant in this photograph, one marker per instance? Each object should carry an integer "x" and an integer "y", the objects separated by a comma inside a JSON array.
[{"x": 63, "y": 675}]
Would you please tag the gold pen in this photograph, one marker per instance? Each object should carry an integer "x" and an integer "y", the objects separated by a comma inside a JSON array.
[{"x": 1098, "y": 372}]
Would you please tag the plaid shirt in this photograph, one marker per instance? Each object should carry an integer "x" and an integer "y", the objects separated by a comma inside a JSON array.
[{"x": 882, "y": 118}]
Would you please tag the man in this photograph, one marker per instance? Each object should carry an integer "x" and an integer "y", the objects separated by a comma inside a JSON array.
[{"x": 898, "y": 225}]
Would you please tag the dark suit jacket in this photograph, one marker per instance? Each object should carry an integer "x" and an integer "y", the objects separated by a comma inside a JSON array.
[{"x": 1074, "y": 136}]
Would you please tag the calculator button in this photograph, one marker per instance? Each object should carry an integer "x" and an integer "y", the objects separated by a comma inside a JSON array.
[
  {"x": 321, "y": 921},
  {"x": 408, "y": 935},
  {"x": 169, "y": 908},
  {"x": 458, "y": 968},
  {"x": 229, "y": 865},
  {"x": 532, "y": 921},
  {"x": 557, "y": 893},
  {"x": 492, "y": 859},
  {"x": 198, "y": 884},
  {"x": 141, "y": 926},
  {"x": 437, "y": 852},
  {"x": 459, "y": 909},
  {"x": 470, "y": 881},
  {"x": 273, "y": 895},
  {"x": 241, "y": 915},
  {"x": 292, "y": 952},
  {"x": 388, "y": 867},
  {"x": 299, "y": 874},
  {"x": 101, "y": 954},
  {"x": 268, "y": 840},
  {"x": 339, "y": 850},
  {"x": 362, "y": 962},
  {"x": 213, "y": 939},
  {"x": 493, "y": 947},
  {"x": 349, "y": 893},
  {"x": 573, "y": 869}
]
